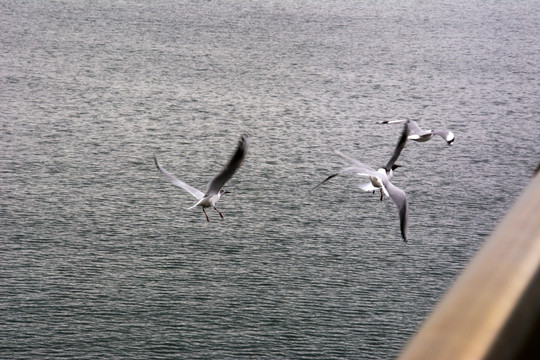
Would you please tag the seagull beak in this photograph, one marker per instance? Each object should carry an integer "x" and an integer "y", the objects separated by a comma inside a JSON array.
[{"x": 226, "y": 192}]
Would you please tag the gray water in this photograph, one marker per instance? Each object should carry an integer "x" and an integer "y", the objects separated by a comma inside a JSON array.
[{"x": 101, "y": 259}]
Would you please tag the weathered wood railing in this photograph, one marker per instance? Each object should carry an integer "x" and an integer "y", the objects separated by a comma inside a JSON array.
[{"x": 493, "y": 309}]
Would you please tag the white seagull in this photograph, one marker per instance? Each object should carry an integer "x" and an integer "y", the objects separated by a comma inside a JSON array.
[
  {"x": 214, "y": 189},
  {"x": 418, "y": 134},
  {"x": 380, "y": 179}
]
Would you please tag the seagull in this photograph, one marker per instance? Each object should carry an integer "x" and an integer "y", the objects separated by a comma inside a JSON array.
[
  {"x": 380, "y": 179},
  {"x": 368, "y": 187},
  {"x": 418, "y": 134},
  {"x": 214, "y": 189},
  {"x": 388, "y": 169}
]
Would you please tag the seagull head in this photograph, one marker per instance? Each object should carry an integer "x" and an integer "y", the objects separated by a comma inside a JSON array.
[{"x": 221, "y": 192}]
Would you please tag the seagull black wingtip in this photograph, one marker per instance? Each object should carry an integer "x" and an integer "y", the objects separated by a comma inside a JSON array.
[{"x": 325, "y": 180}]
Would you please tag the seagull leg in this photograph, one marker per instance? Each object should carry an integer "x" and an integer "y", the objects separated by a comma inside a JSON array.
[
  {"x": 205, "y": 214},
  {"x": 220, "y": 214},
  {"x": 381, "y": 195}
]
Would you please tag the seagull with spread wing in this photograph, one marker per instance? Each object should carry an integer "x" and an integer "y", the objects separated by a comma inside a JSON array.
[
  {"x": 380, "y": 179},
  {"x": 214, "y": 189},
  {"x": 418, "y": 134}
]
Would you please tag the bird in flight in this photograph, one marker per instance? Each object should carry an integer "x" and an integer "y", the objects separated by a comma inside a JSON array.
[
  {"x": 418, "y": 134},
  {"x": 380, "y": 179},
  {"x": 214, "y": 189}
]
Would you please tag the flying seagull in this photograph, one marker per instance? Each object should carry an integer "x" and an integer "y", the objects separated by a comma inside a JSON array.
[
  {"x": 418, "y": 134},
  {"x": 388, "y": 169},
  {"x": 380, "y": 179},
  {"x": 214, "y": 189}
]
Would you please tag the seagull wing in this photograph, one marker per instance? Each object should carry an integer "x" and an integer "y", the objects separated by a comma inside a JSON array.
[
  {"x": 393, "y": 121},
  {"x": 446, "y": 135},
  {"x": 412, "y": 126},
  {"x": 399, "y": 147},
  {"x": 215, "y": 185},
  {"x": 353, "y": 169},
  {"x": 176, "y": 182},
  {"x": 400, "y": 199},
  {"x": 355, "y": 163},
  {"x": 357, "y": 168}
]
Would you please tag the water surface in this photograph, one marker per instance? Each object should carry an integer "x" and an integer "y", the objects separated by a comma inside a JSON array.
[{"x": 100, "y": 257}]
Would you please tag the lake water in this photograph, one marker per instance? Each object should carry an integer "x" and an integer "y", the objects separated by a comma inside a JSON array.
[{"x": 101, "y": 259}]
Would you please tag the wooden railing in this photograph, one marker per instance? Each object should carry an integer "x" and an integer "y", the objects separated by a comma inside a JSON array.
[{"x": 493, "y": 309}]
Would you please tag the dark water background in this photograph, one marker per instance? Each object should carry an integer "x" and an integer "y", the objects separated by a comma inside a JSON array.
[{"x": 99, "y": 257}]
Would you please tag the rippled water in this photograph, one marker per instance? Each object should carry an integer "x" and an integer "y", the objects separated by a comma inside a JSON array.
[{"x": 101, "y": 259}]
